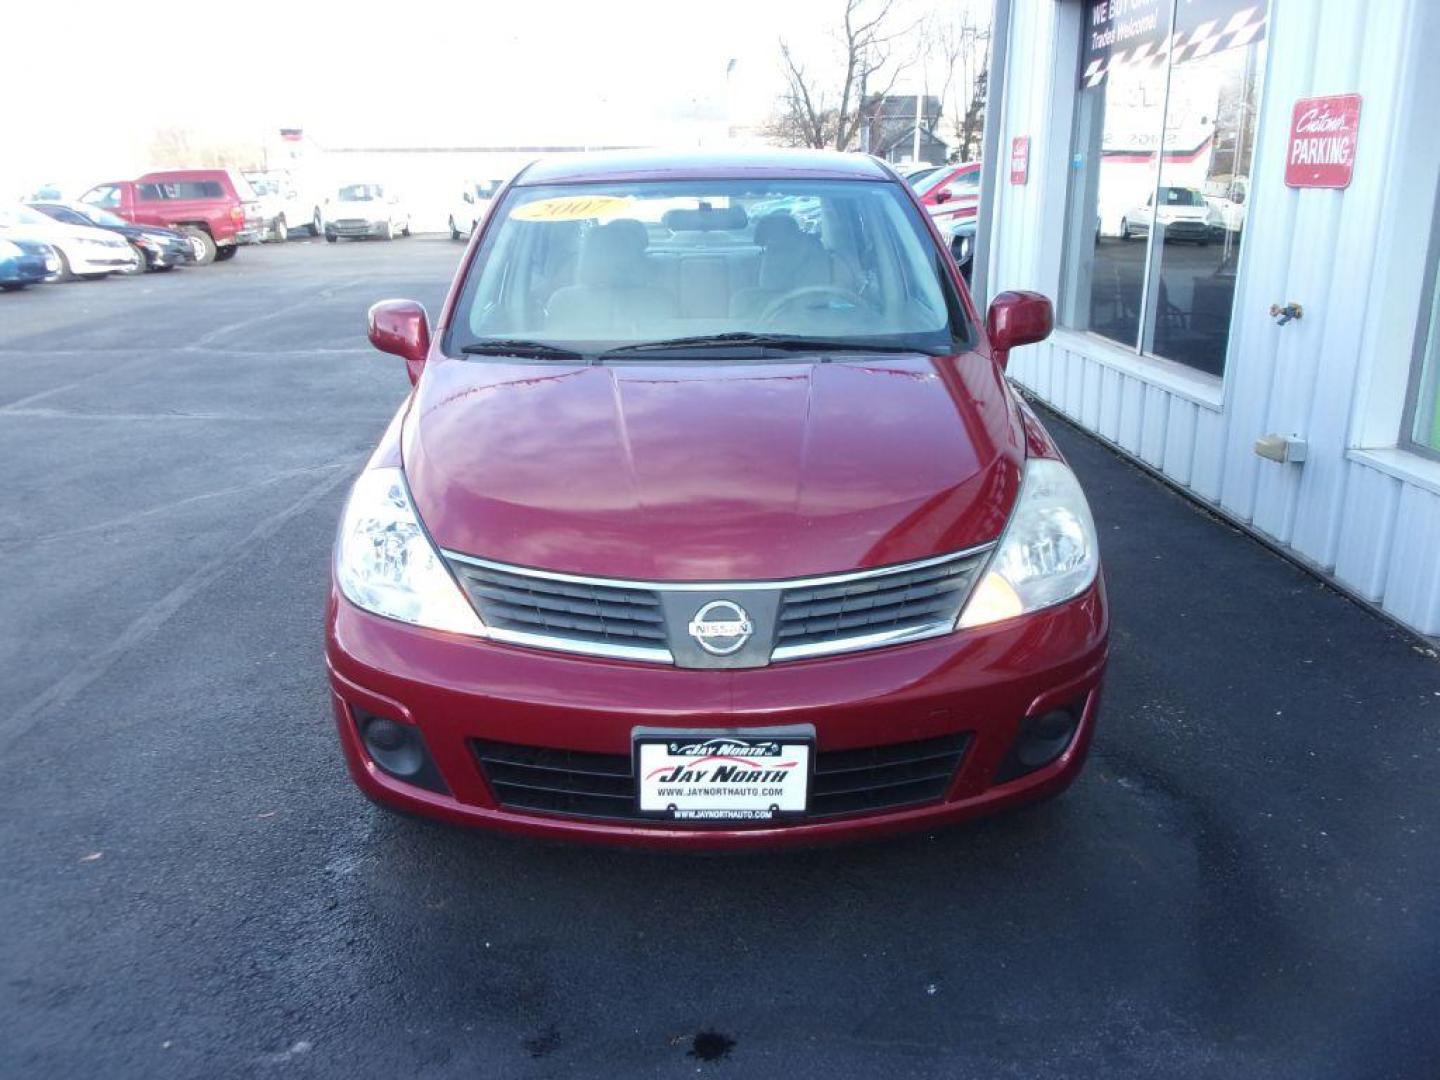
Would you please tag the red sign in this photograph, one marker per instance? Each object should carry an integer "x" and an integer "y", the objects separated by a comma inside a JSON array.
[
  {"x": 1323, "y": 133},
  {"x": 1020, "y": 159}
]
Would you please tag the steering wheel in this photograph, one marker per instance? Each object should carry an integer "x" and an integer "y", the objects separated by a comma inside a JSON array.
[{"x": 809, "y": 292}]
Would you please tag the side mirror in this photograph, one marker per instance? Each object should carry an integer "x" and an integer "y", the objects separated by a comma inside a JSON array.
[
  {"x": 400, "y": 327},
  {"x": 943, "y": 195},
  {"x": 1015, "y": 319}
]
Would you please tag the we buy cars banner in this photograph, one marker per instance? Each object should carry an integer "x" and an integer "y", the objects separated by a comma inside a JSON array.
[{"x": 1139, "y": 32}]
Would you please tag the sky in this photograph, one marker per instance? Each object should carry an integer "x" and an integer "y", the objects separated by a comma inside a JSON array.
[{"x": 417, "y": 73}]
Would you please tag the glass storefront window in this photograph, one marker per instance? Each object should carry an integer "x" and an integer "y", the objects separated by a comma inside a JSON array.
[
  {"x": 1422, "y": 424},
  {"x": 1164, "y": 146}
]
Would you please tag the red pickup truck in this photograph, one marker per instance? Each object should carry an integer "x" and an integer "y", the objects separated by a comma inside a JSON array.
[{"x": 216, "y": 208}]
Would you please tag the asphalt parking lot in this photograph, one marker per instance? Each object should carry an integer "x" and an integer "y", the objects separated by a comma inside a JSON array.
[{"x": 1244, "y": 883}]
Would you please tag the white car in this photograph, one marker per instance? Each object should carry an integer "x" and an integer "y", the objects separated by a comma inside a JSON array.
[
  {"x": 1228, "y": 200},
  {"x": 360, "y": 210},
  {"x": 474, "y": 201},
  {"x": 1183, "y": 212},
  {"x": 82, "y": 251},
  {"x": 284, "y": 207}
]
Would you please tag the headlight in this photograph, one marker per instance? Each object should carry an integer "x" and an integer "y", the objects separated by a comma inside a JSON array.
[
  {"x": 385, "y": 563},
  {"x": 1047, "y": 554},
  {"x": 145, "y": 240}
]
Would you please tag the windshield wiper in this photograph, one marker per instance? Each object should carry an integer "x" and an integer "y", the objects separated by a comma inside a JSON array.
[
  {"x": 539, "y": 350},
  {"x": 786, "y": 342}
]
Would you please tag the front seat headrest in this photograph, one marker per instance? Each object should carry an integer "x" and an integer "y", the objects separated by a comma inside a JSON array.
[
  {"x": 777, "y": 229},
  {"x": 614, "y": 253}
]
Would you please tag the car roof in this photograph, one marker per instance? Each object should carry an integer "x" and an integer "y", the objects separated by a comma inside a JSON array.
[
  {"x": 627, "y": 165},
  {"x": 186, "y": 174}
]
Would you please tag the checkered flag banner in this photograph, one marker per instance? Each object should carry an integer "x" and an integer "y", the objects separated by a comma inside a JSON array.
[{"x": 1214, "y": 35}]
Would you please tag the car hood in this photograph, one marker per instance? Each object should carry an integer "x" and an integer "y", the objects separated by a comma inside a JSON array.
[{"x": 713, "y": 471}]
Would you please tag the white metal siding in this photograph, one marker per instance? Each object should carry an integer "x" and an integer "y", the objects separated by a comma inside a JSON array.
[{"x": 1324, "y": 377}]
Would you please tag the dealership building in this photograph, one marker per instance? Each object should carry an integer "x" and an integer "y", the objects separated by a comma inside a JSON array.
[{"x": 1233, "y": 205}]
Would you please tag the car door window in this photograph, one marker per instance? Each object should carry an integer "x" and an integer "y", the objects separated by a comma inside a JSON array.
[{"x": 107, "y": 195}]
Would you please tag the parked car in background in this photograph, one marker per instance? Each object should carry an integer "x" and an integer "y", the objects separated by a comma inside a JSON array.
[
  {"x": 474, "y": 198},
  {"x": 25, "y": 262},
  {"x": 951, "y": 193},
  {"x": 962, "y": 245},
  {"x": 365, "y": 210},
  {"x": 284, "y": 208},
  {"x": 216, "y": 208},
  {"x": 915, "y": 175},
  {"x": 159, "y": 249},
  {"x": 1228, "y": 197},
  {"x": 1184, "y": 214},
  {"x": 81, "y": 250}
]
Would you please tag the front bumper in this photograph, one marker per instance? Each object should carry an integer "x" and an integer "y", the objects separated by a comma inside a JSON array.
[
  {"x": 355, "y": 227},
  {"x": 1186, "y": 230},
  {"x": 100, "y": 260},
  {"x": 170, "y": 254},
  {"x": 26, "y": 270},
  {"x": 978, "y": 684}
]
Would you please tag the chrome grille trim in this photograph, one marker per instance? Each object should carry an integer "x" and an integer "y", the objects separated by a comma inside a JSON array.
[
  {"x": 584, "y": 648},
  {"x": 720, "y": 586},
  {"x": 838, "y": 646},
  {"x": 646, "y": 647}
]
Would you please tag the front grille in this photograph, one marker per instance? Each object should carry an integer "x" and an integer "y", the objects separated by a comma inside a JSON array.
[
  {"x": 825, "y": 614},
  {"x": 577, "y": 612},
  {"x": 884, "y": 777},
  {"x": 579, "y": 784},
  {"x": 558, "y": 781},
  {"x": 639, "y": 620}
]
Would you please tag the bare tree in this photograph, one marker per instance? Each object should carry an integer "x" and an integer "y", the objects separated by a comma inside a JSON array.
[
  {"x": 816, "y": 112},
  {"x": 961, "y": 45},
  {"x": 180, "y": 147}
]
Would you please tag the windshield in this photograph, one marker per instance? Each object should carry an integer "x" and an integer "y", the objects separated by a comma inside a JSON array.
[
  {"x": 22, "y": 215},
  {"x": 100, "y": 217},
  {"x": 1175, "y": 196},
  {"x": 930, "y": 181},
  {"x": 361, "y": 193},
  {"x": 595, "y": 266}
]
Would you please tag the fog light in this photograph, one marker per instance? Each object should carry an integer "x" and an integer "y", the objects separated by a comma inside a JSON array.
[
  {"x": 399, "y": 750},
  {"x": 1040, "y": 740}
]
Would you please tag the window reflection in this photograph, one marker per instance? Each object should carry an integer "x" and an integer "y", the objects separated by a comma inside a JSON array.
[
  {"x": 1164, "y": 147},
  {"x": 1213, "y": 104}
]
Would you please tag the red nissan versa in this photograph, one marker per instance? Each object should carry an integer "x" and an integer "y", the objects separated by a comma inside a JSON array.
[{"x": 702, "y": 528}]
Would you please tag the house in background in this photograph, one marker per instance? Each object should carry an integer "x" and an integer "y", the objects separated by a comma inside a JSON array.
[{"x": 887, "y": 129}]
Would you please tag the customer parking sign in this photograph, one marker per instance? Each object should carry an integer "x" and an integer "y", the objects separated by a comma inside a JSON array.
[{"x": 1323, "y": 134}]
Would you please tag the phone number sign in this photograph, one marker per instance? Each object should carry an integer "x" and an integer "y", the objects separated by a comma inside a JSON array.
[{"x": 1323, "y": 135}]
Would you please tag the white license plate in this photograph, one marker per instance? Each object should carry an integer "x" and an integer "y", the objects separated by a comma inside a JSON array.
[{"x": 705, "y": 777}]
